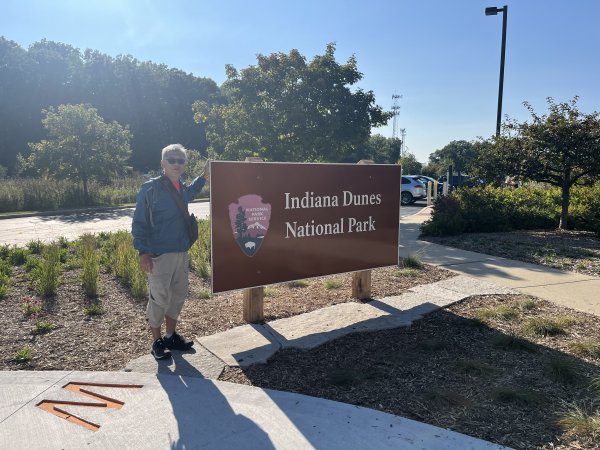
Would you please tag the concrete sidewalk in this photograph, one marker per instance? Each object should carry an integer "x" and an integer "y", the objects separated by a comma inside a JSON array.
[{"x": 564, "y": 288}]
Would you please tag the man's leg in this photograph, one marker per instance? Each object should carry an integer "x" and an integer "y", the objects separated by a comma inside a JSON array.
[
  {"x": 179, "y": 290},
  {"x": 158, "y": 300},
  {"x": 170, "y": 324}
]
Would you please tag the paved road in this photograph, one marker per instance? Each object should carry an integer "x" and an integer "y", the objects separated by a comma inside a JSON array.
[{"x": 19, "y": 231}]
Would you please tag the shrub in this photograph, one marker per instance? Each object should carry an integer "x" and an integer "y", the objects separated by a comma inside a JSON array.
[
  {"x": 562, "y": 370},
  {"x": 43, "y": 327},
  {"x": 489, "y": 209},
  {"x": 30, "y": 306},
  {"x": 91, "y": 264},
  {"x": 35, "y": 247},
  {"x": 125, "y": 262},
  {"x": 24, "y": 355},
  {"x": 200, "y": 251},
  {"x": 38, "y": 194},
  {"x": 332, "y": 283},
  {"x": 546, "y": 326},
  {"x": 46, "y": 275},
  {"x": 18, "y": 256},
  {"x": 93, "y": 309},
  {"x": 411, "y": 262}
]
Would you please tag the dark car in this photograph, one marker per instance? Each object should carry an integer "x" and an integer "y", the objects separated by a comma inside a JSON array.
[{"x": 462, "y": 180}]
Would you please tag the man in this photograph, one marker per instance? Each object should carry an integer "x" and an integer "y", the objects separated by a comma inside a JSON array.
[{"x": 160, "y": 235}]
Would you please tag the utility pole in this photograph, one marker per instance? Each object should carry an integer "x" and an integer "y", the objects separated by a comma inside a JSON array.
[
  {"x": 402, "y": 145},
  {"x": 396, "y": 114}
]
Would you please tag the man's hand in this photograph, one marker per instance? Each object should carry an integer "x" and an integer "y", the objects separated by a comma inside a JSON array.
[
  {"x": 146, "y": 263},
  {"x": 206, "y": 173}
]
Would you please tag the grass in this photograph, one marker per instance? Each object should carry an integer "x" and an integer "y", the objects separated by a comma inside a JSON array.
[
  {"x": 562, "y": 370},
  {"x": 35, "y": 247},
  {"x": 43, "y": 327},
  {"x": 509, "y": 342},
  {"x": 269, "y": 292},
  {"x": 548, "y": 326},
  {"x": 406, "y": 272},
  {"x": 587, "y": 348},
  {"x": 333, "y": 283},
  {"x": 525, "y": 305},
  {"x": 46, "y": 276},
  {"x": 30, "y": 306},
  {"x": 24, "y": 355},
  {"x": 90, "y": 273},
  {"x": 93, "y": 309},
  {"x": 580, "y": 419},
  {"x": 500, "y": 312},
  {"x": 203, "y": 295},
  {"x": 411, "y": 262}
]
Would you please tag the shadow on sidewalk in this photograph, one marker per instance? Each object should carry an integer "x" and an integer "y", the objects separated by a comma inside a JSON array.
[{"x": 204, "y": 416}]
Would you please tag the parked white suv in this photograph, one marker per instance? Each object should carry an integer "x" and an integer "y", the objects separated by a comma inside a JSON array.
[{"x": 411, "y": 190}]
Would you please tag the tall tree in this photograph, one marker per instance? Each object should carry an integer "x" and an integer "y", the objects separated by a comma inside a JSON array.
[
  {"x": 380, "y": 149},
  {"x": 81, "y": 146},
  {"x": 285, "y": 109},
  {"x": 153, "y": 99},
  {"x": 459, "y": 154},
  {"x": 410, "y": 165},
  {"x": 561, "y": 148}
]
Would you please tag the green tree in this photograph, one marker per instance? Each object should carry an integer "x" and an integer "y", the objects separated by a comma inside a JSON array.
[
  {"x": 81, "y": 146},
  {"x": 410, "y": 165},
  {"x": 459, "y": 154},
  {"x": 561, "y": 148},
  {"x": 380, "y": 149},
  {"x": 285, "y": 109}
]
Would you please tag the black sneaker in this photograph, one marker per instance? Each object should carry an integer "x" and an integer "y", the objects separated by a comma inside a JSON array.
[
  {"x": 177, "y": 342},
  {"x": 159, "y": 350}
]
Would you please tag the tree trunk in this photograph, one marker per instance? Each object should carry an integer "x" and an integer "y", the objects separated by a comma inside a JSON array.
[
  {"x": 86, "y": 198},
  {"x": 566, "y": 199}
]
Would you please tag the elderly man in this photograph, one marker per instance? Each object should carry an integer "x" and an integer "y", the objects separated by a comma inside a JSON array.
[{"x": 162, "y": 235}]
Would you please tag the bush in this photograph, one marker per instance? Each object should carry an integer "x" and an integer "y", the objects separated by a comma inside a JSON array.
[
  {"x": 490, "y": 209},
  {"x": 47, "y": 273},
  {"x": 91, "y": 264},
  {"x": 38, "y": 194}
]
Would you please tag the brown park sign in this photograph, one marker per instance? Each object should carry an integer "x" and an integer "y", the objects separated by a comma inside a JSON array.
[{"x": 277, "y": 222}]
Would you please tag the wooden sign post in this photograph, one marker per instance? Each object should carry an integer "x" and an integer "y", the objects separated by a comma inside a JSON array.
[
  {"x": 254, "y": 297},
  {"x": 361, "y": 281}
]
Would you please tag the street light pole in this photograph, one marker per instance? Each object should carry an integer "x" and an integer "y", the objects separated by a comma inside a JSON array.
[{"x": 492, "y": 11}]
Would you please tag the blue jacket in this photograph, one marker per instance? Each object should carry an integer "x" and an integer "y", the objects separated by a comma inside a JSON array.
[{"x": 158, "y": 225}]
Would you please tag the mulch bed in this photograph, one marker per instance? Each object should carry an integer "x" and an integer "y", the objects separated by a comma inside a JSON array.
[
  {"x": 451, "y": 370},
  {"x": 109, "y": 341}
]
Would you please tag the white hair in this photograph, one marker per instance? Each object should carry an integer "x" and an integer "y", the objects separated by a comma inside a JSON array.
[{"x": 173, "y": 148}]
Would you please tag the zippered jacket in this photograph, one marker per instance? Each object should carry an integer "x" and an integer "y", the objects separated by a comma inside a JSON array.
[{"x": 158, "y": 225}]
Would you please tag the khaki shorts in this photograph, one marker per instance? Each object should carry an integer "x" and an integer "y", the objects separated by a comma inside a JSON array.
[{"x": 168, "y": 287}]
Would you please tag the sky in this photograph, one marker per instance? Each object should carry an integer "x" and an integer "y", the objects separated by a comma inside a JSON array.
[{"x": 442, "y": 58}]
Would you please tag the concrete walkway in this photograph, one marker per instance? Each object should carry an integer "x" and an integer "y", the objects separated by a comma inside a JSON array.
[{"x": 564, "y": 288}]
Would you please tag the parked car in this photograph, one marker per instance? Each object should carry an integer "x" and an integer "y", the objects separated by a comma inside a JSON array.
[
  {"x": 463, "y": 180},
  {"x": 423, "y": 179},
  {"x": 411, "y": 190}
]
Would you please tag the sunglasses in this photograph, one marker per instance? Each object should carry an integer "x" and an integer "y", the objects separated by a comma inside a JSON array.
[{"x": 172, "y": 161}]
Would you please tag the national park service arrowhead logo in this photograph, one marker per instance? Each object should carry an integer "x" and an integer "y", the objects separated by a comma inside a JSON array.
[{"x": 249, "y": 219}]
